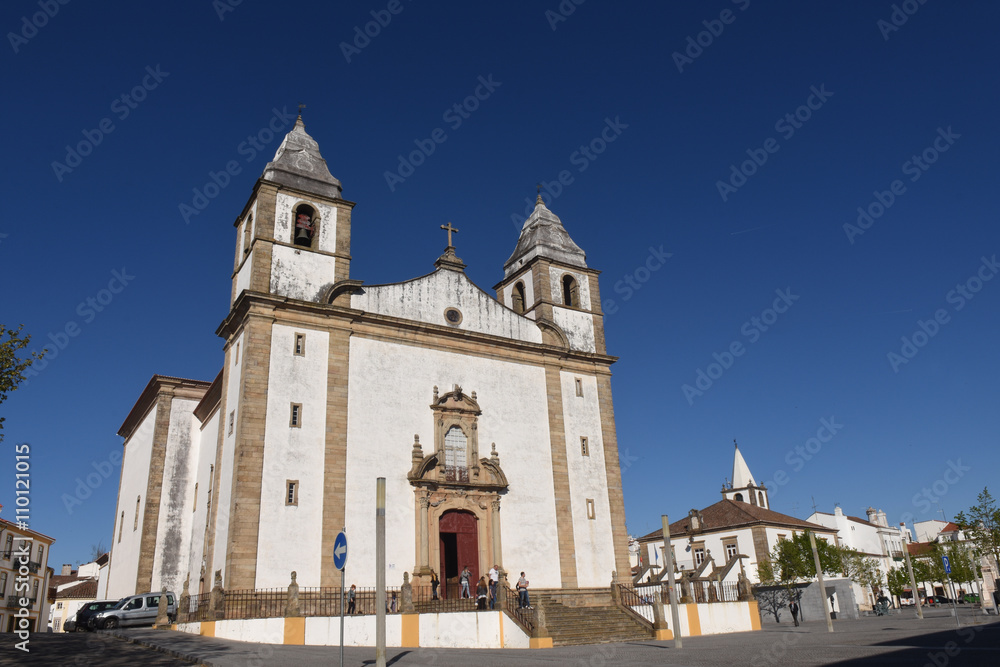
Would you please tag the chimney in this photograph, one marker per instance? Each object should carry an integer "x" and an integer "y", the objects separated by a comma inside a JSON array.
[
  {"x": 67, "y": 570},
  {"x": 872, "y": 515}
]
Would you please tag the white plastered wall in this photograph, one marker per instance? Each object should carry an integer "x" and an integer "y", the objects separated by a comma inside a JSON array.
[
  {"x": 300, "y": 274},
  {"x": 390, "y": 391},
  {"x": 207, "y": 444},
  {"x": 595, "y": 557},
  {"x": 173, "y": 533},
  {"x": 125, "y": 552},
  {"x": 555, "y": 280},
  {"x": 425, "y": 300},
  {"x": 291, "y": 535},
  {"x": 578, "y": 327},
  {"x": 225, "y": 490}
]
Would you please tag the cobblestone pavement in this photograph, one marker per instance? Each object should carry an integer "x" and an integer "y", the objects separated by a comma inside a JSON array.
[
  {"x": 887, "y": 642},
  {"x": 82, "y": 648}
]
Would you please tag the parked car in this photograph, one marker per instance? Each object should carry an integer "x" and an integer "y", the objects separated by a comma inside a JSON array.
[
  {"x": 84, "y": 620},
  {"x": 135, "y": 610},
  {"x": 939, "y": 599},
  {"x": 971, "y": 598}
]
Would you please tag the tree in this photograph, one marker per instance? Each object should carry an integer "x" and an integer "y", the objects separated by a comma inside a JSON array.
[
  {"x": 772, "y": 595},
  {"x": 97, "y": 550},
  {"x": 793, "y": 559},
  {"x": 898, "y": 579},
  {"x": 863, "y": 570},
  {"x": 12, "y": 366},
  {"x": 982, "y": 525}
]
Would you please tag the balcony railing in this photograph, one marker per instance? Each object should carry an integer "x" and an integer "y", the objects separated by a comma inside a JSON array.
[{"x": 14, "y": 602}]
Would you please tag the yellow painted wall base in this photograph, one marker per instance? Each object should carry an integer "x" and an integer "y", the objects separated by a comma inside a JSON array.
[
  {"x": 754, "y": 615},
  {"x": 410, "y": 630},
  {"x": 207, "y": 629},
  {"x": 540, "y": 642},
  {"x": 694, "y": 620},
  {"x": 295, "y": 630},
  {"x": 665, "y": 633}
]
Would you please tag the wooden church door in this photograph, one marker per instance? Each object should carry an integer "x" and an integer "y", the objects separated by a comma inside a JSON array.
[{"x": 459, "y": 543}]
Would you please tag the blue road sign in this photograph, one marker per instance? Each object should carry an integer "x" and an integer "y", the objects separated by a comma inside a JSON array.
[
  {"x": 947, "y": 564},
  {"x": 340, "y": 551}
]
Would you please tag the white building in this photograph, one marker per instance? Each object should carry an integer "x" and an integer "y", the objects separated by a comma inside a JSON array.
[
  {"x": 71, "y": 589},
  {"x": 490, "y": 418},
  {"x": 734, "y": 534},
  {"x": 873, "y": 538}
]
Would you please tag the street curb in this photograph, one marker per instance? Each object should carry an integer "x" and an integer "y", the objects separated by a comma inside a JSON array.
[{"x": 172, "y": 653}]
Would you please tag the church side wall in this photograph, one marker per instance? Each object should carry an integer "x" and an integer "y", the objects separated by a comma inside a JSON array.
[
  {"x": 243, "y": 277},
  {"x": 291, "y": 535},
  {"x": 125, "y": 552},
  {"x": 225, "y": 490},
  {"x": 390, "y": 391},
  {"x": 595, "y": 556},
  {"x": 208, "y": 438},
  {"x": 173, "y": 537}
]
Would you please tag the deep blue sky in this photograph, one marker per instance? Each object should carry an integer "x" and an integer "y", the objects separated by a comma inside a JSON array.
[{"x": 655, "y": 185}]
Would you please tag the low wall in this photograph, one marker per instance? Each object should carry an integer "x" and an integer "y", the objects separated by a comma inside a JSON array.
[
  {"x": 483, "y": 629},
  {"x": 715, "y": 618}
]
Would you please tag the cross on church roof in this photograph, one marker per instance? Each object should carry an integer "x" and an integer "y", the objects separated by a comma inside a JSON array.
[
  {"x": 301, "y": 107},
  {"x": 449, "y": 229}
]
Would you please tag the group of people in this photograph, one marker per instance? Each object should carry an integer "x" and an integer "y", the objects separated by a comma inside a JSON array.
[{"x": 486, "y": 590}]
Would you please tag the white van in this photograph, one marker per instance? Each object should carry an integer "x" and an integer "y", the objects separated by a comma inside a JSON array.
[{"x": 135, "y": 610}]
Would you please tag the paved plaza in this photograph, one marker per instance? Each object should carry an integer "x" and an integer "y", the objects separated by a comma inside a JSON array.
[{"x": 900, "y": 639}]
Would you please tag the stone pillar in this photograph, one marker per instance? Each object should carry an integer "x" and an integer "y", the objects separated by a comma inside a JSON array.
[
  {"x": 217, "y": 600},
  {"x": 615, "y": 593},
  {"x": 540, "y": 629},
  {"x": 184, "y": 604},
  {"x": 407, "y": 594},
  {"x": 162, "y": 619},
  {"x": 424, "y": 566},
  {"x": 292, "y": 599},
  {"x": 495, "y": 522}
]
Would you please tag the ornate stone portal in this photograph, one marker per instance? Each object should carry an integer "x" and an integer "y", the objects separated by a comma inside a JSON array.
[{"x": 455, "y": 488}]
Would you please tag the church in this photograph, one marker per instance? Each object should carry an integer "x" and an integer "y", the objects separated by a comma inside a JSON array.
[{"x": 489, "y": 415}]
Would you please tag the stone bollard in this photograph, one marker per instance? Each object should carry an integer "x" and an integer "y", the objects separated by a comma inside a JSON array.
[
  {"x": 540, "y": 629},
  {"x": 162, "y": 619},
  {"x": 407, "y": 594},
  {"x": 615, "y": 593},
  {"x": 292, "y": 599}
]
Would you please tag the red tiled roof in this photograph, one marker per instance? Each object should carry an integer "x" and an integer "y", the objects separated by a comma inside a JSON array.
[
  {"x": 86, "y": 589},
  {"x": 919, "y": 548},
  {"x": 727, "y": 514}
]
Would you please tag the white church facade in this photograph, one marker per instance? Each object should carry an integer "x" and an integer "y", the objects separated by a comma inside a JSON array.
[{"x": 491, "y": 418}]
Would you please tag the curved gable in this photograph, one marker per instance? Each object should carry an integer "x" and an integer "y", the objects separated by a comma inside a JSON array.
[{"x": 425, "y": 299}]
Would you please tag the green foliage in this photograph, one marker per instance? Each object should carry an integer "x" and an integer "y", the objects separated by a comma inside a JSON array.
[
  {"x": 12, "y": 366},
  {"x": 982, "y": 525},
  {"x": 792, "y": 559},
  {"x": 898, "y": 580},
  {"x": 862, "y": 569}
]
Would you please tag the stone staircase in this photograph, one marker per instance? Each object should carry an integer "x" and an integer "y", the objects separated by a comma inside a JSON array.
[{"x": 587, "y": 616}]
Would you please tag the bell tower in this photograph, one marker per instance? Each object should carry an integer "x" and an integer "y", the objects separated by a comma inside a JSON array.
[
  {"x": 293, "y": 237},
  {"x": 547, "y": 279}
]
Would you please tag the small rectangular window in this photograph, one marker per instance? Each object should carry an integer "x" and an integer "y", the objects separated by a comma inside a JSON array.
[
  {"x": 232, "y": 421},
  {"x": 236, "y": 355},
  {"x": 194, "y": 505},
  {"x": 295, "y": 418},
  {"x": 292, "y": 492},
  {"x": 579, "y": 387},
  {"x": 591, "y": 512},
  {"x": 300, "y": 345},
  {"x": 584, "y": 446}
]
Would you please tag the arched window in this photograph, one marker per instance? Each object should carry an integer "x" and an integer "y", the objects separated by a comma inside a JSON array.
[
  {"x": 571, "y": 291},
  {"x": 739, "y": 497},
  {"x": 135, "y": 524},
  {"x": 305, "y": 226},
  {"x": 247, "y": 234},
  {"x": 455, "y": 460},
  {"x": 121, "y": 526},
  {"x": 760, "y": 498},
  {"x": 517, "y": 297}
]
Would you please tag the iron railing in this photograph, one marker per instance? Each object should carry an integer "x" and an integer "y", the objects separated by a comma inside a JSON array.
[
  {"x": 638, "y": 603},
  {"x": 511, "y": 604}
]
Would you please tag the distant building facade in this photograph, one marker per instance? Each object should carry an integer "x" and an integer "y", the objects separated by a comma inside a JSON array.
[{"x": 24, "y": 573}]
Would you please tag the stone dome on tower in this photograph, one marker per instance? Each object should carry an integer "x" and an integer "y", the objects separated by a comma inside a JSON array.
[
  {"x": 299, "y": 164},
  {"x": 543, "y": 235}
]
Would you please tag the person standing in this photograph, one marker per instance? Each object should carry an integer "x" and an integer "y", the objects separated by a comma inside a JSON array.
[
  {"x": 464, "y": 580},
  {"x": 352, "y": 600},
  {"x": 494, "y": 580},
  {"x": 793, "y": 607},
  {"x": 435, "y": 582},
  {"x": 481, "y": 593},
  {"x": 522, "y": 592}
]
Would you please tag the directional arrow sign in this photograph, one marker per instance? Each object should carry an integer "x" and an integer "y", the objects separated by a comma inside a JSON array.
[
  {"x": 947, "y": 564},
  {"x": 340, "y": 551}
]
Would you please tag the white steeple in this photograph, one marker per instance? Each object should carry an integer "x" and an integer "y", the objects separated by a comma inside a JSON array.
[
  {"x": 744, "y": 487},
  {"x": 742, "y": 476}
]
